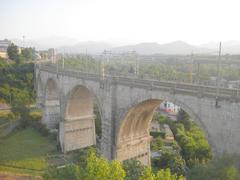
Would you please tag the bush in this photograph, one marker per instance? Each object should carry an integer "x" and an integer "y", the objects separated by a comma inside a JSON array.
[
  {"x": 133, "y": 169},
  {"x": 221, "y": 168},
  {"x": 156, "y": 144},
  {"x": 170, "y": 160},
  {"x": 35, "y": 115}
]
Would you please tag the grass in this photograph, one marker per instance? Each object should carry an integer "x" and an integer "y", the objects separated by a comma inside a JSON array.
[{"x": 25, "y": 151}]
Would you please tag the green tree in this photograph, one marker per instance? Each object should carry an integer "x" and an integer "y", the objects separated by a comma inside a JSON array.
[
  {"x": 12, "y": 51},
  {"x": 147, "y": 174},
  {"x": 116, "y": 171},
  {"x": 163, "y": 174},
  {"x": 166, "y": 175},
  {"x": 133, "y": 169},
  {"x": 156, "y": 144},
  {"x": 170, "y": 160},
  {"x": 220, "y": 168},
  {"x": 184, "y": 118},
  {"x": 98, "y": 168},
  {"x": 27, "y": 53}
]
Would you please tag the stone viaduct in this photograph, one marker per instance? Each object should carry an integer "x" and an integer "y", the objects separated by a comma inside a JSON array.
[{"x": 126, "y": 108}]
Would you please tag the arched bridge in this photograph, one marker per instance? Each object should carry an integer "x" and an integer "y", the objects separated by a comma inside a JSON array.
[{"x": 126, "y": 108}]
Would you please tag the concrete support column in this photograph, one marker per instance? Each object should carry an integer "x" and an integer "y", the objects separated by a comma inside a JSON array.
[
  {"x": 51, "y": 114},
  {"x": 137, "y": 148},
  {"x": 108, "y": 123},
  {"x": 77, "y": 132}
]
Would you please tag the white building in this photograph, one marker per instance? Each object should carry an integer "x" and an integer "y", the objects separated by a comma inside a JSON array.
[{"x": 169, "y": 107}]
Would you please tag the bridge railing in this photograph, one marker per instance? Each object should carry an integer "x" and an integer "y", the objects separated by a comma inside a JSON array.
[{"x": 146, "y": 81}]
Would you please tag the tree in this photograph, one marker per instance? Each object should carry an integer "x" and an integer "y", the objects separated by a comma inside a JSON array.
[
  {"x": 184, "y": 118},
  {"x": 163, "y": 174},
  {"x": 12, "y": 51},
  {"x": 98, "y": 168},
  {"x": 116, "y": 171},
  {"x": 156, "y": 144},
  {"x": 221, "y": 168},
  {"x": 166, "y": 175},
  {"x": 133, "y": 169},
  {"x": 171, "y": 160},
  {"x": 28, "y": 53},
  {"x": 147, "y": 174}
]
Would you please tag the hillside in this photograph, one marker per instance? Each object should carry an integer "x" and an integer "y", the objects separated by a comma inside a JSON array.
[{"x": 176, "y": 47}]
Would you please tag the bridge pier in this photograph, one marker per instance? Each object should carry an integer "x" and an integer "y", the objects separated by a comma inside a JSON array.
[
  {"x": 137, "y": 149},
  {"x": 51, "y": 114},
  {"x": 107, "y": 145},
  {"x": 77, "y": 133}
]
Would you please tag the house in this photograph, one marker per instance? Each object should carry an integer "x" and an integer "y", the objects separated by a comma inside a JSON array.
[
  {"x": 49, "y": 54},
  {"x": 3, "y": 48},
  {"x": 169, "y": 107}
]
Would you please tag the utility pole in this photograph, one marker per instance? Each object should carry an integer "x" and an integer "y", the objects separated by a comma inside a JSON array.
[
  {"x": 218, "y": 74},
  {"x": 63, "y": 63},
  {"x": 23, "y": 41},
  {"x": 86, "y": 63},
  {"x": 136, "y": 66},
  {"x": 191, "y": 69},
  {"x": 198, "y": 72},
  {"x": 102, "y": 69}
]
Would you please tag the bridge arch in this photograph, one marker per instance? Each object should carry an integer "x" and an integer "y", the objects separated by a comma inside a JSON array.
[
  {"x": 51, "y": 115},
  {"x": 79, "y": 119},
  {"x": 133, "y": 136},
  {"x": 51, "y": 90}
]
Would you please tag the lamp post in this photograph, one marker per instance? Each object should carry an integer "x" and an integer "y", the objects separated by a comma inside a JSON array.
[{"x": 218, "y": 74}]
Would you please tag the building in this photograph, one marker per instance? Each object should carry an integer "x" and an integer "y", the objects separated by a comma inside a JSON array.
[
  {"x": 3, "y": 48},
  {"x": 49, "y": 54},
  {"x": 169, "y": 107}
]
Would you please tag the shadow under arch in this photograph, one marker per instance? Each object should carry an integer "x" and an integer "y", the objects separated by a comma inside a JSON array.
[
  {"x": 133, "y": 137},
  {"x": 78, "y": 127},
  {"x": 51, "y": 116},
  {"x": 51, "y": 90}
]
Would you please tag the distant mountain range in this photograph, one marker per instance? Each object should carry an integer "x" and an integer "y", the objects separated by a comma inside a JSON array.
[
  {"x": 89, "y": 47},
  {"x": 176, "y": 47},
  {"x": 69, "y": 45}
]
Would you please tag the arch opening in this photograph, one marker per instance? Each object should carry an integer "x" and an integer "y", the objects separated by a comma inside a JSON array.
[
  {"x": 79, "y": 119},
  {"x": 51, "y": 105},
  {"x": 133, "y": 136},
  {"x": 51, "y": 90}
]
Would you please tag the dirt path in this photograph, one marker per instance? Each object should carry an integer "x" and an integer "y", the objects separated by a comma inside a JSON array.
[{"x": 9, "y": 176}]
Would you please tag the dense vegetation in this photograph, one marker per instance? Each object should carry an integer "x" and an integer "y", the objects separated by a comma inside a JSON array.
[
  {"x": 93, "y": 167},
  {"x": 191, "y": 156},
  {"x": 17, "y": 87},
  {"x": 191, "y": 149},
  {"x": 171, "y": 70}
]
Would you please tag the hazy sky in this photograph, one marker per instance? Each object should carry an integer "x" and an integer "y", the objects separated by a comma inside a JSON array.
[{"x": 130, "y": 21}]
